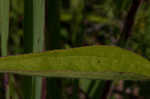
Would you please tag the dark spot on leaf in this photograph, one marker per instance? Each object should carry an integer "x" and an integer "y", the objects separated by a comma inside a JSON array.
[
  {"x": 121, "y": 72},
  {"x": 98, "y": 61}
]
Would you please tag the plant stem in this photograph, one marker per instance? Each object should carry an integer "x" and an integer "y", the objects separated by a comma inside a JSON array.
[
  {"x": 129, "y": 22},
  {"x": 34, "y": 38}
]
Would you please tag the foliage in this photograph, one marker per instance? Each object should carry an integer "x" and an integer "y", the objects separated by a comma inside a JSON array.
[
  {"x": 86, "y": 22},
  {"x": 82, "y": 62}
]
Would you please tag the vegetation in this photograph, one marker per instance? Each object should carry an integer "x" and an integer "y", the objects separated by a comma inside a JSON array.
[{"x": 77, "y": 71}]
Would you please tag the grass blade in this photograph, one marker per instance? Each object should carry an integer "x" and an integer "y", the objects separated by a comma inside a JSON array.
[
  {"x": 4, "y": 29},
  {"x": 93, "y": 88},
  {"x": 38, "y": 38},
  {"x": 4, "y": 25},
  {"x": 34, "y": 36}
]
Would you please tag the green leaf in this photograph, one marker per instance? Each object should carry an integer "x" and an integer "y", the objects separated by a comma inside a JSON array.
[{"x": 93, "y": 62}]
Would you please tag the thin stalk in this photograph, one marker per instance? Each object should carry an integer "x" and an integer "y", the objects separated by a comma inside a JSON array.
[
  {"x": 129, "y": 22},
  {"x": 76, "y": 36},
  {"x": 4, "y": 29},
  {"x": 34, "y": 37}
]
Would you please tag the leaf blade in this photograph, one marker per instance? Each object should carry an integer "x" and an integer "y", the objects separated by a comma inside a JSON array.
[{"x": 110, "y": 63}]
